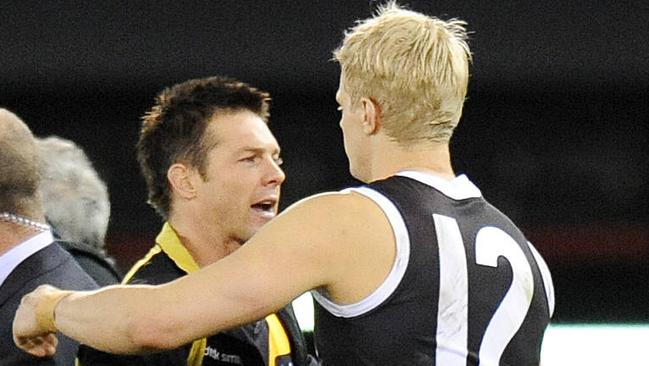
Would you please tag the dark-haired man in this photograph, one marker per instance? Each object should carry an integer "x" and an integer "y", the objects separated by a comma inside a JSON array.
[{"x": 212, "y": 169}]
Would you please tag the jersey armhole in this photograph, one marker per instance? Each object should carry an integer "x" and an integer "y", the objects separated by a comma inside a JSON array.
[{"x": 392, "y": 281}]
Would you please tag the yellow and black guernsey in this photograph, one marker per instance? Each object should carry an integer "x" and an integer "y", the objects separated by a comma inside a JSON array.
[{"x": 273, "y": 341}]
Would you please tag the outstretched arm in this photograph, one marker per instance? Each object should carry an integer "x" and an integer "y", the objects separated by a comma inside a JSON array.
[{"x": 307, "y": 246}]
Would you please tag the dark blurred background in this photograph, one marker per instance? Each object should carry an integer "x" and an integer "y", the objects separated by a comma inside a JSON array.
[{"x": 554, "y": 131}]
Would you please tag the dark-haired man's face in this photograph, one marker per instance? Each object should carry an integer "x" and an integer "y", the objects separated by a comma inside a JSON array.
[{"x": 241, "y": 190}]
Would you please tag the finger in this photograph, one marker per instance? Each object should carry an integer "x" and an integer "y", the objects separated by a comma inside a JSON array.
[
  {"x": 51, "y": 342},
  {"x": 49, "y": 349},
  {"x": 38, "y": 346},
  {"x": 34, "y": 347}
]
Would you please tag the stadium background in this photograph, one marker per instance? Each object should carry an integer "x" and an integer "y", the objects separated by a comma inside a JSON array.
[{"x": 555, "y": 130}]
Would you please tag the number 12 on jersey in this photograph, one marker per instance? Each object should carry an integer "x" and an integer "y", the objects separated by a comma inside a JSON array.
[{"x": 452, "y": 317}]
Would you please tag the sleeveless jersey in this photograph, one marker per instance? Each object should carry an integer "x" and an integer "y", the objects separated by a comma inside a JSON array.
[{"x": 466, "y": 287}]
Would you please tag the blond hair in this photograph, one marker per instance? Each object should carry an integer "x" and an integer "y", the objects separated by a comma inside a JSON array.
[{"x": 416, "y": 68}]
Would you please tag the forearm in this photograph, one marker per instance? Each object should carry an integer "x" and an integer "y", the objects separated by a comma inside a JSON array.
[{"x": 109, "y": 319}]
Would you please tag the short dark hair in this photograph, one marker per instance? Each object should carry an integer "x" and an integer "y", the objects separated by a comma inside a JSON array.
[{"x": 173, "y": 129}]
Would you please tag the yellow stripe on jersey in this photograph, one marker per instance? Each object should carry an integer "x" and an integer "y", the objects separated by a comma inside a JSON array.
[
  {"x": 168, "y": 241},
  {"x": 171, "y": 244},
  {"x": 278, "y": 343},
  {"x": 136, "y": 267},
  {"x": 195, "y": 357}
]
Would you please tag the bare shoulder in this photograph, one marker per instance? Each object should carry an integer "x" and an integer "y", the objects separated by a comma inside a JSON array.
[
  {"x": 344, "y": 236},
  {"x": 341, "y": 208},
  {"x": 332, "y": 218}
]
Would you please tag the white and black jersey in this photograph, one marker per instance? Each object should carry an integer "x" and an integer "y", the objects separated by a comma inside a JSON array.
[{"x": 466, "y": 287}]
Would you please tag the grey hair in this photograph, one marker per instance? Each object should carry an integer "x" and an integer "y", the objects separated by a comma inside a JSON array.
[{"x": 75, "y": 199}]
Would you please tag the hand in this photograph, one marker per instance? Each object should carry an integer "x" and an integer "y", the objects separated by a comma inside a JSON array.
[{"x": 29, "y": 333}]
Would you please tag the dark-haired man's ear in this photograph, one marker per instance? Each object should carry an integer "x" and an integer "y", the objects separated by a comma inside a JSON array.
[
  {"x": 371, "y": 116},
  {"x": 179, "y": 177}
]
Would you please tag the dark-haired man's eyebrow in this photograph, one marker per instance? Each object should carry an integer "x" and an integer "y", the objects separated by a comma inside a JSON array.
[{"x": 259, "y": 150}]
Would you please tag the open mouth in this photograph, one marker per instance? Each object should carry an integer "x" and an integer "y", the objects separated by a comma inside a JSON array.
[{"x": 266, "y": 206}]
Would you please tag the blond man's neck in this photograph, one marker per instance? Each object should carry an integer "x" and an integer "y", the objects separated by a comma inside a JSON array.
[{"x": 391, "y": 158}]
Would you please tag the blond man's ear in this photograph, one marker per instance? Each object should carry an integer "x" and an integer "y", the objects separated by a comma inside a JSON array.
[{"x": 371, "y": 116}]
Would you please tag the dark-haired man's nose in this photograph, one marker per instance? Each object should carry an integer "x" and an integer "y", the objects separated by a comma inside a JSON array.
[{"x": 275, "y": 174}]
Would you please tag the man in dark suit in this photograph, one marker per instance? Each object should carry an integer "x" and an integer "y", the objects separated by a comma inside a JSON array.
[{"x": 29, "y": 255}]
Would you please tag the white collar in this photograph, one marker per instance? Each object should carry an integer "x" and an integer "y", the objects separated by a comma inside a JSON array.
[
  {"x": 458, "y": 188},
  {"x": 16, "y": 255}
]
